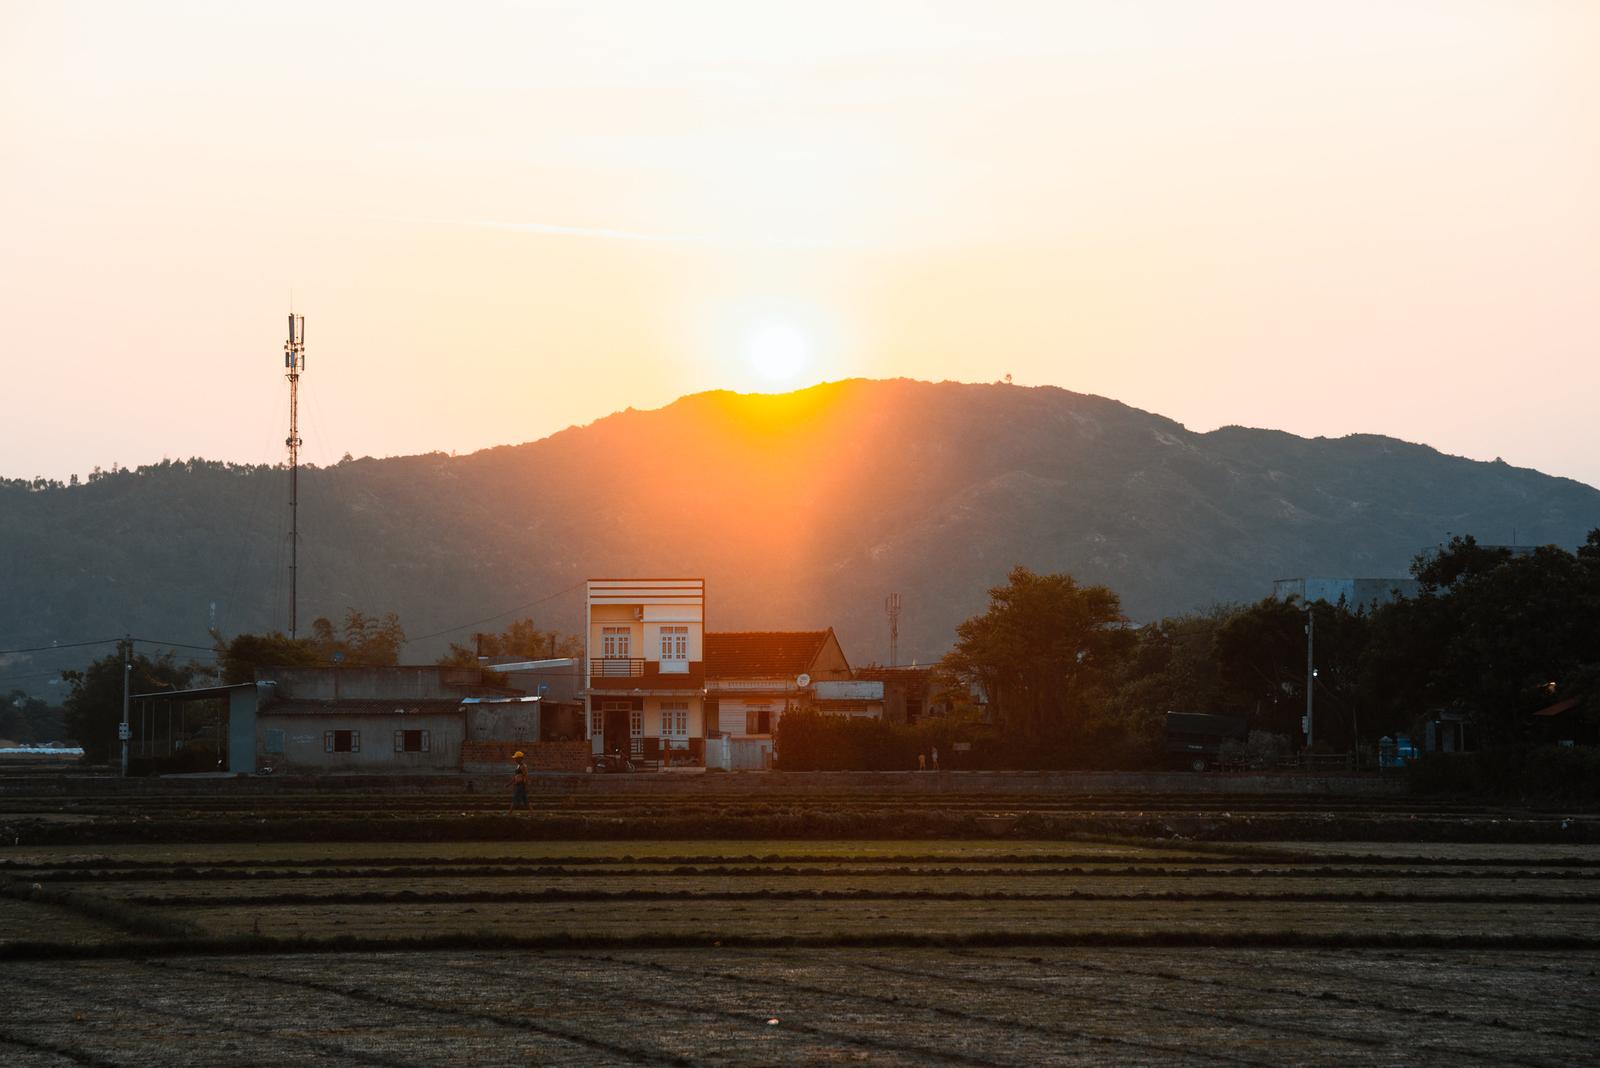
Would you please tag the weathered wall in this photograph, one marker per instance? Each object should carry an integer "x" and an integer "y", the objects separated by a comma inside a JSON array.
[
  {"x": 508, "y": 720},
  {"x": 304, "y": 752}
]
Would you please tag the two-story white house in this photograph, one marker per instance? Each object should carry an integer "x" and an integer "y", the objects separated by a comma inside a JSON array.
[{"x": 644, "y": 651}]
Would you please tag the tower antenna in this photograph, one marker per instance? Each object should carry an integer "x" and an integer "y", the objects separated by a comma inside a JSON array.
[
  {"x": 294, "y": 362},
  {"x": 891, "y": 605}
]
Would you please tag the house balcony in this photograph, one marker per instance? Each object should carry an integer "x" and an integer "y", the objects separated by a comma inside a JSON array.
[
  {"x": 635, "y": 675},
  {"x": 616, "y": 667}
]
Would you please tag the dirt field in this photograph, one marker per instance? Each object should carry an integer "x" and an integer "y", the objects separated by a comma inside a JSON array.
[
  {"x": 709, "y": 1006},
  {"x": 1022, "y": 950}
]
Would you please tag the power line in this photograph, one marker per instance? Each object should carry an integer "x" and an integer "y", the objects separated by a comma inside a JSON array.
[
  {"x": 59, "y": 645},
  {"x": 497, "y": 615},
  {"x": 108, "y": 641}
]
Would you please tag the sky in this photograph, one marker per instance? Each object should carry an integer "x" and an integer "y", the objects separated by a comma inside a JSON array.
[{"x": 500, "y": 220}]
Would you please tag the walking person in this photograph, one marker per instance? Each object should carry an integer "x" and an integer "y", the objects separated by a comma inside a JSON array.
[
  {"x": 935, "y": 758},
  {"x": 519, "y": 784},
  {"x": 922, "y": 760}
]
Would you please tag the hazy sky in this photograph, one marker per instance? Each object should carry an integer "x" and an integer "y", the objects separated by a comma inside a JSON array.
[{"x": 503, "y": 219}]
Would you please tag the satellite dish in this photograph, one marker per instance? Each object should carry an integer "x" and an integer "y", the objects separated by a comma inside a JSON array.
[{"x": 803, "y": 681}]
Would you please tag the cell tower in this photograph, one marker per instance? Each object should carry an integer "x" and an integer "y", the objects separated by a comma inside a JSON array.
[
  {"x": 891, "y": 605},
  {"x": 294, "y": 362}
]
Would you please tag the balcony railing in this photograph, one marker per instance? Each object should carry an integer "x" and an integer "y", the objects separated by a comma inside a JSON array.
[{"x": 616, "y": 667}]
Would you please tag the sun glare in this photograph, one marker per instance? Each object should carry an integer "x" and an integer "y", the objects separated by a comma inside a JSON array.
[{"x": 778, "y": 351}]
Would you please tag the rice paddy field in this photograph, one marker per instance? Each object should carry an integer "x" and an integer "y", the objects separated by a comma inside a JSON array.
[{"x": 538, "y": 946}]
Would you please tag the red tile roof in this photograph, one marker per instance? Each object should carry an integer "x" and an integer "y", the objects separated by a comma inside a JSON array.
[{"x": 762, "y": 654}]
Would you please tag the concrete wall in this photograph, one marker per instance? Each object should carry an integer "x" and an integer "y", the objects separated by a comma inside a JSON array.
[
  {"x": 303, "y": 742},
  {"x": 417, "y": 683},
  {"x": 508, "y": 720}
]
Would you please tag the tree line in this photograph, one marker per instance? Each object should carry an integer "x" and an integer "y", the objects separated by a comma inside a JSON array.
[
  {"x": 1066, "y": 680},
  {"x": 1492, "y": 637}
]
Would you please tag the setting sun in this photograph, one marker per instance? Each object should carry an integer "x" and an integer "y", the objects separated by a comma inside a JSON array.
[{"x": 778, "y": 351}]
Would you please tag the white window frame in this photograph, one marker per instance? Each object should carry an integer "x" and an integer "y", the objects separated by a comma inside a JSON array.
[
  {"x": 636, "y": 731},
  {"x": 616, "y": 643},
  {"x": 675, "y": 724},
  {"x": 674, "y": 650}
]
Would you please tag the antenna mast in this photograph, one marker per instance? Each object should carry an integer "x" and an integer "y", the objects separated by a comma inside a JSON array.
[
  {"x": 891, "y": 605},
  {"x": 294, "y": 362}
]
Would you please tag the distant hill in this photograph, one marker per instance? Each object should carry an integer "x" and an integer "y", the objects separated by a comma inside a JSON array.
[{"x": 801, "y": 510}]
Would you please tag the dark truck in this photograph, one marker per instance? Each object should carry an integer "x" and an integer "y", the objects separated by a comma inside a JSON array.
[{"x": 1195, "y": 739}]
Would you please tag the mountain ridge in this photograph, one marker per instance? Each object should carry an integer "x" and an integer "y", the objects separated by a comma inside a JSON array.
[{"x": 802, "y": 510}]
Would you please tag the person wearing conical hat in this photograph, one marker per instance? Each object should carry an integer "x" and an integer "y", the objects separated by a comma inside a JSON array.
[{"x": 519, "y": 784}]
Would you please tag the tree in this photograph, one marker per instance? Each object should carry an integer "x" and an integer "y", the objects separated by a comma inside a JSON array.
[
  {"x": 363, "y": 641},
  {"x": 1513, "y": 634},
  {"x": 524, "y": 639},
  {"x": 1171, "y": 667},
  {"x": 94, "y": 700},
  {"x": 1042, "y": 652},
  {"x": 30, "y": 720},
  {"x": 239, "y": 658},
  {"x": 1261, "y": 665}
]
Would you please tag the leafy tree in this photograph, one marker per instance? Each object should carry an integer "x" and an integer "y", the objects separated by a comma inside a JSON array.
[
  {"x": 1462, "y": 558},
  {"x": 30, "y": 720},
  {"x": 369, "y": 641},
  {"x": 1513, "y": 634},
  {"x": 94, "y": 701},
  {"x": 524, "y": 638},
  {"x": 239, "y": 657},
  {"x": 1043, "y": 652},
  {"x": 363, "y": 641},
  {"x": 1171, "y": 667},
  {"x": 1261, "y": 665}
]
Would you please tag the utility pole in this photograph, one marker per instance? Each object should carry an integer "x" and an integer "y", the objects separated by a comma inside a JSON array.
[
  {"x": 891, "y": 606},
  {"x": 1311, "y": 671},
  {"x": 124, "y": 731},
  {"x": 294, "y": 360}
]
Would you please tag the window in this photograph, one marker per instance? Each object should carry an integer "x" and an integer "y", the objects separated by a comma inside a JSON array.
[
  {"x": 274, "y": 740},
  {"x": 597, "y": 723},
  {"x": 675, "y": 724},
  {"x": 341, "y": 741},
  {"x": 758, "y": 721},
  {"x": 636, "y": 732},
  {"x": 411, "y": 742},
  {"x": 616, "y": 642},
  {"x": 674, "y": 650}
]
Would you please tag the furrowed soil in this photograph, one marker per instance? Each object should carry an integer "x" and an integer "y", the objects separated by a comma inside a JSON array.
[{"x": 122, "y": 944}]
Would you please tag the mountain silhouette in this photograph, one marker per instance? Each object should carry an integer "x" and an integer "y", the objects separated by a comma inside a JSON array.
[{"x": 801, "y": 510}]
